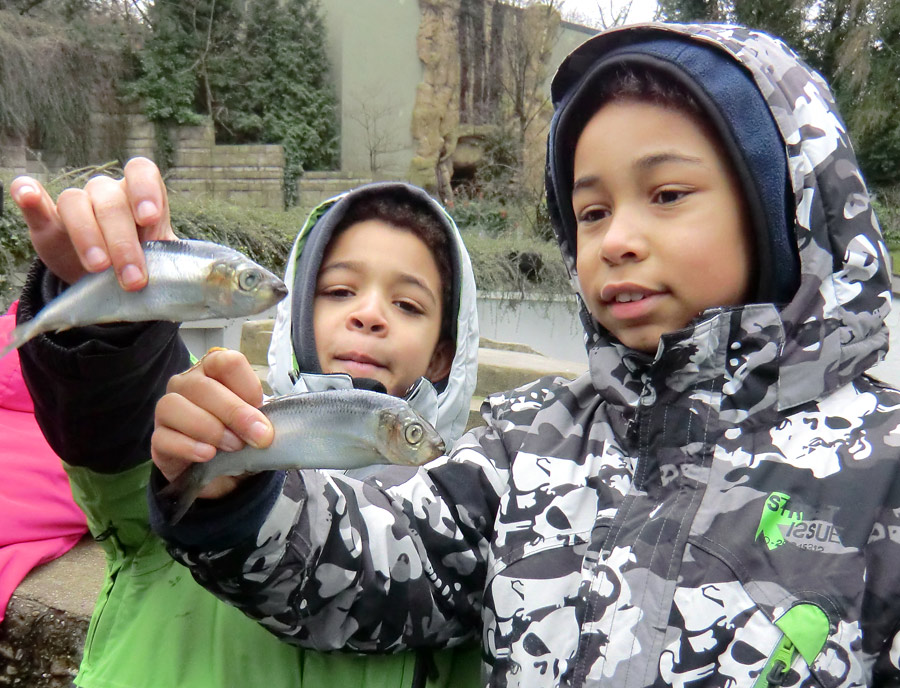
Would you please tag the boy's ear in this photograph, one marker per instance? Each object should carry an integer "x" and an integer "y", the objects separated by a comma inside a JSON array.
[{"x": 441, "y": 360}]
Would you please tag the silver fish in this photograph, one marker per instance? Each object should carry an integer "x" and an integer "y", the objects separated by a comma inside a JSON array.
[
  {"x": 187, "y": 280},
  {"x": 334, "y": 429}
]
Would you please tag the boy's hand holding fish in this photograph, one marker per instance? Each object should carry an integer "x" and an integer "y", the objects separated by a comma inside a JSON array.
[
  {"x": 211, "y": 406},
  {"x": 87, "y": 230}
]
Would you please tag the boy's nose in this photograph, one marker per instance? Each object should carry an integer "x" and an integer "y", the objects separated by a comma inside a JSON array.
[
  {"x": 623, "y": 240},
  {"x": 368, "y": 317}
]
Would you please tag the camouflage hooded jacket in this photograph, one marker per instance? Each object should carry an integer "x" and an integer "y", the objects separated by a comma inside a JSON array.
[{"x": 726, "y": 513}]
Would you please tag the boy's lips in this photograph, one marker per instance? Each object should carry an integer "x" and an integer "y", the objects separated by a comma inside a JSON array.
[
  {"x": 359, "y": 362},
  {"x": 629, "y": 301}
]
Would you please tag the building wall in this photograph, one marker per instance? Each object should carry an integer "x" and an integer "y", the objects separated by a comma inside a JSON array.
[{"x": 372, "y": 48}]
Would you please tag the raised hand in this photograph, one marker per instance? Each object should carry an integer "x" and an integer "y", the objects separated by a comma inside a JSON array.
[{"x": 89, "y": 229}]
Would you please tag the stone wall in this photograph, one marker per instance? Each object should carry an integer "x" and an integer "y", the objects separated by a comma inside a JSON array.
[
  {"x": 315, "y": 187},
  {"x": 246, "y": 175}
]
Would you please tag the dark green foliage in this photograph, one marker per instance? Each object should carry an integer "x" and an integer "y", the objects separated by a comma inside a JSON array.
[
  {"x": 262, "y": 76},
  {"x": 689, "y": 10},
  {"x": 886, "y": 202},
  {"x": 283, "y": 92},
  {"x": 16, "y": 253},
  {"x": 477, "y": 213},
  {"x": 186, "y": 61},
  {"x": 777, "y": 17}
]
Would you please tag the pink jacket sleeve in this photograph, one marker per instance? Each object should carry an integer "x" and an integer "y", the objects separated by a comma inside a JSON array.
[{"x": 40, "y": 521}]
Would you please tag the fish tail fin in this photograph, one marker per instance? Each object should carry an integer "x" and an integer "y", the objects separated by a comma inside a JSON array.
[
  {"x": 176, "y": 497},
  {"x": 20, "y": 335}
]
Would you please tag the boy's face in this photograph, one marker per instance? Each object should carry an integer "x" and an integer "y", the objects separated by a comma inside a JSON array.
[
  {"x": 662, "y": 233},
  {"x": 378, "y": 308}
]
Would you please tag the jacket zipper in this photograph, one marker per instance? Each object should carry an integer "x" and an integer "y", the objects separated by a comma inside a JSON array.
[{"x": 779, "y": 665}]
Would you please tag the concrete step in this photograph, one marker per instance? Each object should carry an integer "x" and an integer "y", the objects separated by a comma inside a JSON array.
[{"x": 47, "y": 619}]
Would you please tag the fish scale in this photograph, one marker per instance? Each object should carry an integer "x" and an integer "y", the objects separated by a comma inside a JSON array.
[{"x": 338, "y": 429}]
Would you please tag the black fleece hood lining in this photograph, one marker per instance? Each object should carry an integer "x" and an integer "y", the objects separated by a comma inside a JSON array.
[
  {"x": 310, "y": 260},
  {"x": 575, "y": 110}
]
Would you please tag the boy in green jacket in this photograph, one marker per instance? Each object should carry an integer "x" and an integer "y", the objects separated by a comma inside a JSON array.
[{"x": 95, "y": 389}]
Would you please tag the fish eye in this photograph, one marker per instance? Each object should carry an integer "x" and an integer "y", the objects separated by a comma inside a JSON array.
[
  {"x": 249, "y": 279},
  {"x": 414, "y": 433}
]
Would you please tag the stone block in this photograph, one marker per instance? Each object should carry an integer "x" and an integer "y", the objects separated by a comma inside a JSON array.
[
  {"x": 193, "y": 158},
  {"x": 255, "y": 338},
  {"x": 502, "y": 370}
]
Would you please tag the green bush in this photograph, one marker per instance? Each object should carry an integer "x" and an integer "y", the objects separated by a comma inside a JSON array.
[
  {"x": 886, "y": 202},
  {"x": 481, "y": 214},
  {"x": 263, "y": 235},
  {"x": 16, "y": 252},
  {"x": 516, "y": 265}
]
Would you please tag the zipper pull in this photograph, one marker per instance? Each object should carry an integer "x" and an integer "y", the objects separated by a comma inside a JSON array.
[
  {"x": 775, "y": 673},
  {"x": 778, "y": 675}
]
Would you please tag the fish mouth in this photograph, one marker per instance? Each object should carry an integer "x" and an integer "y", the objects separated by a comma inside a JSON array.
[{"x": 279, "y": 291}]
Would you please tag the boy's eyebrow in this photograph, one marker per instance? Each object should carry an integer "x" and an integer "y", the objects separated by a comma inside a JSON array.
[
  {"x": 359, "y": 266},
  {"x": 645, "y": 163},
  {"x": 654, "y": 159}
]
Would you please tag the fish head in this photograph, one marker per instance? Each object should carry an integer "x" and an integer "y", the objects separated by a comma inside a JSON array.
[
  {"x": 237, "y": 287},
  {"x": 405, "y": 438}
]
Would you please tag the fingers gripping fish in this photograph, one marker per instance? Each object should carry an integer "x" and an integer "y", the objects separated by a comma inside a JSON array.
[
  {"x": 334, "y": 429},
  {"x": 187, "y": 280}
]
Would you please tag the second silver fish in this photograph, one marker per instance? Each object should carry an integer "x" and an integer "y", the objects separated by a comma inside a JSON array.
[{"x": 335, "y": 429}]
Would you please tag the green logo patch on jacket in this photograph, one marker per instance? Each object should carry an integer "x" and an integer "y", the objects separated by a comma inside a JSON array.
[{"x": 776, "y": 518}]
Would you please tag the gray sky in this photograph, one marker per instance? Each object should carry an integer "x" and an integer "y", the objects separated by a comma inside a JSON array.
[{"x": 641, "y": 10}]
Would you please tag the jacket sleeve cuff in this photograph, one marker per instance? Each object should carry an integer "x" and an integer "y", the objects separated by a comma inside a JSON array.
[
  {"x": 217, "y": 524},
  {"x": 95, "y": 388}
]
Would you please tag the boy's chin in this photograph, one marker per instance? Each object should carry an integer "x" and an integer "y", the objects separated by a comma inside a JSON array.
[{"x": 644, "y": 341}]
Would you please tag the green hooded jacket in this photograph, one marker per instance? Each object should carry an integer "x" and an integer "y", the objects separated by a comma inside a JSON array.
[{"x": 153, "y": 625}]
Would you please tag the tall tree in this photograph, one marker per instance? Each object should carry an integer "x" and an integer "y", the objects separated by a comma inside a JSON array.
[
  {"x": 261, "y": 73},
  {"x": 689, "y": 10},
  {"x": 186, "y": 62},
  {"x": 285, "y": 94},
  {"x": 855, "y": 44}
]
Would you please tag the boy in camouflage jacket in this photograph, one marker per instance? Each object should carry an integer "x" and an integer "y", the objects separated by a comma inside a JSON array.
[{"x": 715, "y": 503}]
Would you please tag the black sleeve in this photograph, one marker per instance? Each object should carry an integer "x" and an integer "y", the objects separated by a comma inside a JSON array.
[
  {"x": 95, "y": 388},
  {"x": 218, "y": 523}
]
